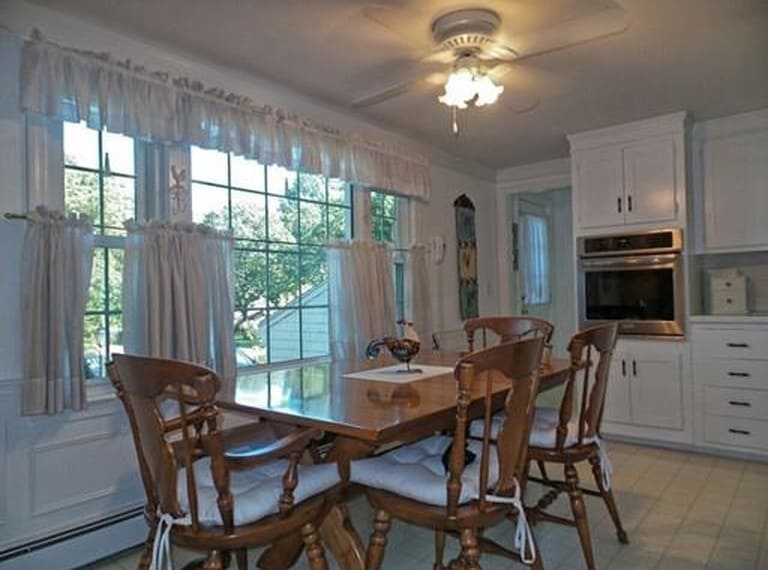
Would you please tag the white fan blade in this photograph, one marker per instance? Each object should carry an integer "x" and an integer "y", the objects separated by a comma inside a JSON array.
[
  {"x": 610, "y": 21},
  {"x": 387, "y": 93}
]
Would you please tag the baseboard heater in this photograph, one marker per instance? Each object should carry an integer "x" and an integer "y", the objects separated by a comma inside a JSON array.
[{"x": 66, "y": 540}]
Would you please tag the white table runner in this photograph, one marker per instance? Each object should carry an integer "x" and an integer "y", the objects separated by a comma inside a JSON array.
[{"x": 391, "y": 374}]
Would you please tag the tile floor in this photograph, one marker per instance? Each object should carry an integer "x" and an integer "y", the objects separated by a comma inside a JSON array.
[{"x": 682, "y": 511}]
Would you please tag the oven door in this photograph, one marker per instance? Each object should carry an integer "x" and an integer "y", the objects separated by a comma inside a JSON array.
[{"x": 644, "y": 293}]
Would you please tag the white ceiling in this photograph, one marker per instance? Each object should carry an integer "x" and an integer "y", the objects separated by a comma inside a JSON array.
[{"x": 709, "y": 57}]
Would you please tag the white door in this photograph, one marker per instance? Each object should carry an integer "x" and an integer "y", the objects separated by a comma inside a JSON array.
[
  {"x": 599, "y": 185},
  {"x": 617, "y": 408},
  {"x": 649, "y": 182},
  {"x": 656, "y": 393}
]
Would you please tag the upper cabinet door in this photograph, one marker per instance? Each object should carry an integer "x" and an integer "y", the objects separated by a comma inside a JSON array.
[
  {"x": 735, "y": 175},
  {"x": 599, "y": 185},
  {"x": 650, "y": 187}
]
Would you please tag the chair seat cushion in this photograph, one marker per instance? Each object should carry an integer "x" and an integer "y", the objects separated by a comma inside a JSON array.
[
  {"x": 256, "y": 491},
  {"x": 416, "y": 471},
  {"x": 543, "y": 431}
]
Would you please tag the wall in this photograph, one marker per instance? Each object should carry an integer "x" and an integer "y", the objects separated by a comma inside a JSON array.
[{"x": 57, "y": 473}]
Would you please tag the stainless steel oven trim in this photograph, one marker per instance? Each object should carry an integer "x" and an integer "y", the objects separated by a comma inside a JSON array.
[
  {"x": 677, "y": 245},
  {"x": 672, "y": 261}
]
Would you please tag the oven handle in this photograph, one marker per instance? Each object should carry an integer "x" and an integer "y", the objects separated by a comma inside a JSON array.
[{"x": 634, "y": 261}]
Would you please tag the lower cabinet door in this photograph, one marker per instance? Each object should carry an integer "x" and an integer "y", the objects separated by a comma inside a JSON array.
[
  {"x": 617, "y": 407},
  {"x": 656, "y": 391}
]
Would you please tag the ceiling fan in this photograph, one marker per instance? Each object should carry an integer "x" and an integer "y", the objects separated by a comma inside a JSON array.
[{"x": 475, "y": 52}]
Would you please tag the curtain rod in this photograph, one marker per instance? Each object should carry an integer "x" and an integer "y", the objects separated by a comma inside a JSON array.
[{"x": 12, "y": 216}]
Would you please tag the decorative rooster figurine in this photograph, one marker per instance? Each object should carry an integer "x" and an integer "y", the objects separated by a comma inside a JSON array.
[{"x": 404, "y": 349}]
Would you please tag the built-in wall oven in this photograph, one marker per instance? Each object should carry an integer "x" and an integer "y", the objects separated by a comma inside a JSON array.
[{"x": 635, "y": 279}]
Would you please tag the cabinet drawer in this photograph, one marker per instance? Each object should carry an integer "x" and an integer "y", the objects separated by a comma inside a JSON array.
[
  {"x": 736, "y": 431},
  {"x": 736, "y": 402},
  {"x": 731, "y": 343},
  {"x": 732, "y": 373}
]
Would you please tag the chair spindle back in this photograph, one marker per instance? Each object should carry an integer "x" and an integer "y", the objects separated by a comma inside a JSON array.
[
  {"x": 516, "y": 364},
  {"x": 507, "y": 329}
]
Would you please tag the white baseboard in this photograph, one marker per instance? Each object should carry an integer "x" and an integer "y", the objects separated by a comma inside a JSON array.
[{"x": 81, "y": 549}]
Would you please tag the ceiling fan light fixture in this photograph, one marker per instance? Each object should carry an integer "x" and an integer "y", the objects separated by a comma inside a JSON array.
[
  {"x": 460, "y": 88},
  {"x": 487, "y": 91}
]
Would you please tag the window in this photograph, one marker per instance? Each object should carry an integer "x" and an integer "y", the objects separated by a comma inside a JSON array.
[
  {"x": 281, "y": 221},
  {"x": 100, "y": 181},
  {"x": 535, "y": 259},
  {"x": 385, "y": 226}
]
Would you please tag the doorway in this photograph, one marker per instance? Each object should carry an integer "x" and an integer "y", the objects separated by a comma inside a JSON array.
[{"x": 542, "y": 283}]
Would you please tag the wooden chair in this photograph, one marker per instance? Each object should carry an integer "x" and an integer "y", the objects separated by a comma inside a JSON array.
[
  {"x": 507, "y": 329},
  {"x": 410, "y": 483},
  {"x": 559, "y": 437},
  {"x": 209, "y": 489}
]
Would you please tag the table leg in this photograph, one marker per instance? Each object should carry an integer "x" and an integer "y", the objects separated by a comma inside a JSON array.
[{"x": 337, "y": 531}]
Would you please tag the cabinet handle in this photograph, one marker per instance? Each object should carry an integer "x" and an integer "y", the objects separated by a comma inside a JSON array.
[
  {"x": 623, "y": 368},
  {"x": 727, "y": 283},
  {"x": 629, "y": 203},
  {"x": 619, "y": 204},
  {"x": 742, "y": 404},
  {"x": 740, "y": 431},
  {"x": 740, "y": 374},
  {"x": 737, "y": 345},
  {"x": 634, "y": 368}
]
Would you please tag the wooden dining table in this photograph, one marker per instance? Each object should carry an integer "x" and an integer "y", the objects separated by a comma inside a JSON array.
[{"x": 360, "y": 416}]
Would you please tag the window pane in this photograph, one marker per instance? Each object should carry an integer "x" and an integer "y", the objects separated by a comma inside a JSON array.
[
  {"x": 119, "y": 202},
  {"x": 283, "y": 278},
  {"x": 250, "y": 279},
  {"x": 313, "y": 275},
  {"x": 208, "y": 165},
  {"x": 312, "y": 187},
  {"x": 313, "y": 223},
  {"x": 250, "y": 335},
  {"x": 81, "y": 146},
  {"x": 81, "y": 193},
  {"x": 115, "y": 334},
  {"x": 389, "y": 204},
  {"x": 281, "y": 181},
  {"x": 248, "y": 215},
  {"x": 338, "y": 191},
  {"x": 116, "y": 257},
  {"x": 210, "y": 205},
  {"x": 121, "y": 154},
  {"x": 284, "y": 335},
  {"x": 283, "y": 219},
  {"x": 247, "y": 173},
  {"x": 314, "y": 332},
  {"x": 96, "y": 293},
  {"x": 94, "y": 346},
  {"x": 339, "y": 223}
]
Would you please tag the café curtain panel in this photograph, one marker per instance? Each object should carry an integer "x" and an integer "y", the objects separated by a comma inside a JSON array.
[
  {"x": 56, "y": 274},
  {"x": 73, "y": 85},
  {"x": 178, "y": 294},
  {"x": 362, "y": 297},
  {"x": 419, "y": 293}
]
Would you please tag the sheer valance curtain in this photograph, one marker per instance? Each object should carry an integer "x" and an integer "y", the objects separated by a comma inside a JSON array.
[
  {"x": 76, "y": 86},
  {"x": 178, "y": 294},
  {"x": 420, "y": 298},
  {"x": 56, "y": 273},
  {"x": 362, "y": 297}
]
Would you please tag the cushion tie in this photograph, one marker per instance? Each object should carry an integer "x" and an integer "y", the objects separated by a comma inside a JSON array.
[
  {"x": 161, "y": 549},
  {"x": 606, "y": 469},
  {"x": 523, "y": 537}
]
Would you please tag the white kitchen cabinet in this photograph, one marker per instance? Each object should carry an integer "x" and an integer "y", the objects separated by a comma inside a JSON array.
[
  {"x": 650, "y": 187},
  {"x": 730, "y": 375},
  {"x": 601, "y": 171},
  {"x": 734, "y": 179},
  {"x": 646, "y": 391},
  {"x": 630, "y": 175}
]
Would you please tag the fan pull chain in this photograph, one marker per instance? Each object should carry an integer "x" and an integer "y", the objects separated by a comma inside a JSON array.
[{"x": 455, "y": 124}]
